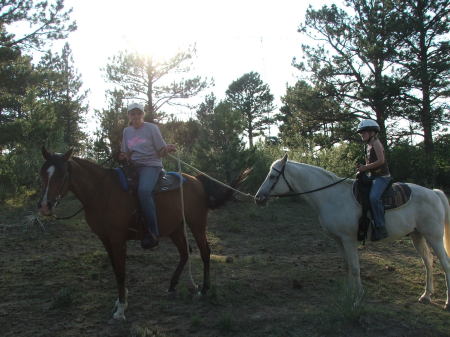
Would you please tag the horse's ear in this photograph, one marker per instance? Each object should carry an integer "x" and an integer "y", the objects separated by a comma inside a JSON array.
[
  {"x": 45, "y": 153},
  {"x": 68, "y": 155},
  {"x": 284, "y": 159}
]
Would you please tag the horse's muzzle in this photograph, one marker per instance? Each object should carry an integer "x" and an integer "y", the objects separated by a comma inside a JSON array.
[{"x": 45, "y": 208}]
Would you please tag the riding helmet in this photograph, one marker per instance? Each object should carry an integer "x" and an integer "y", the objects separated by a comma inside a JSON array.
[{"x": 368, "y": 125}]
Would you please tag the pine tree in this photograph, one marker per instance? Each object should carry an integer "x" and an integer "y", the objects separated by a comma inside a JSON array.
[
  {"x": 252, "y": 98},
  {"x": 155, "y": 83},
  {"x": 353, "y": 64}
]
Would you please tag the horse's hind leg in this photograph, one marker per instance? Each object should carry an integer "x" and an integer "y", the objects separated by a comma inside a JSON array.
[
  {"x": 205, "y": 252},
  {"x": 422, "y": 248},
  {"x": 179, "y": 239},
  {"x": 438, "y": 246}
]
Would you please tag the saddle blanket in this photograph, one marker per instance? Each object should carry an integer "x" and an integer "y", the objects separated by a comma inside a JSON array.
[
  {"x": 395, "y": 196},
  {"x": 168, "y": 181}
]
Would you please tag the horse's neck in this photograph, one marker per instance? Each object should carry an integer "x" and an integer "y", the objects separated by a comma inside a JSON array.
[
  {"x": 86, "y": 179},
  {"x": 307, "y": 178}
]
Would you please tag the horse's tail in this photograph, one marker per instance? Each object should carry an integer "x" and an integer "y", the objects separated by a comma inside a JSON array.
[
  {"x": 218, "y": 194},
  {"x": 446, "y": 238}
]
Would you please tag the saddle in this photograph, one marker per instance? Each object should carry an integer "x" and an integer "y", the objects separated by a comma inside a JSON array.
[
  {"x": 129, "y": 180},
  {"x": 395, "y": 195}
]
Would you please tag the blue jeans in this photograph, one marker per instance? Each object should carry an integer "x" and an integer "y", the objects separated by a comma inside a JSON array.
[
  {"x": 379, "y": 185},
  {"x": 148, "y": 177}
]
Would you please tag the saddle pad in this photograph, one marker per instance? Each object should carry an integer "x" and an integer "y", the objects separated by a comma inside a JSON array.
[
  {"x": 167, "y": 181},
  {"x": 395, "y": 196}
]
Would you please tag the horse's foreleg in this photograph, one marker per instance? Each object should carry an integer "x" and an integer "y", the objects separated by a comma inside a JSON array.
[
  {"x": 340, "y": 247},
  {"x": 352, "y": 258},
  {"x": 422, "y": 248},
  {"x": 179, "y": 239},
  {"x": 117, "y": 255}
]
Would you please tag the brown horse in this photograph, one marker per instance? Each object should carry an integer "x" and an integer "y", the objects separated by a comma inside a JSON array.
[{"x": 111, "y": 212}]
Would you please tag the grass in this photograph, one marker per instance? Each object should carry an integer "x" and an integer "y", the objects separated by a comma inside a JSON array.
[
  {"x": 274, "y": 272},
  {"x": 64, "y": 298}
]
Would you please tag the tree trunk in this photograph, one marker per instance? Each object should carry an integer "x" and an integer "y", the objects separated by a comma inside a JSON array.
[
  {"x": 150, "y": 115},
  {"x": 426, "y": 118}
]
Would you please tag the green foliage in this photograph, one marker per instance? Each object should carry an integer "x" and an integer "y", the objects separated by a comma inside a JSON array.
[
  {"x": 108, "y": 136},
  {"x": 252, "y": 99},
  {"x": 40, "y": 103},
  {"x": 46, "y": 21},
  {"x": 408, "y": 163},
  {"x": 219, "y": 149},
  {"x": 355, "y": 68},
  {"x": 60, "y": 90},
  {"x": 308, "y": 115},
  {"x": 347, "y": 303}
]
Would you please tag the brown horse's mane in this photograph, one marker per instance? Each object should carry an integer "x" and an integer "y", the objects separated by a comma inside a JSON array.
[{"x": 90, "y": 165}]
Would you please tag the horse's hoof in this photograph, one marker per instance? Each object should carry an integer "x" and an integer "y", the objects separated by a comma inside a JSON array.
[
  {"x": 119, "y": 317},
  {"x": 119, "y": 311},
  {"x": 425, "y": 300},
  {"x": 194, "y": 289}
]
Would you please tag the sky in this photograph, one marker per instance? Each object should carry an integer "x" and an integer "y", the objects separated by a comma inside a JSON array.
[{"x": 232, "y": 38}]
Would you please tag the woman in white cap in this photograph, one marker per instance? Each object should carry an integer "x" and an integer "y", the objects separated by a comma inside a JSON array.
[
  {"x": 378, "y": 170},
  {"x": 143, "y": 146}
]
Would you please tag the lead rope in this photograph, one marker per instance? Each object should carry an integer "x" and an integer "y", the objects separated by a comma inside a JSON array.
[
  {"x": 185, "y": 223},
  {"x": 213, "y": 179}
]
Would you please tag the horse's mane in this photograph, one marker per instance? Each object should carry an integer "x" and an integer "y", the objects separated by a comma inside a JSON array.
[
  {"x": 326, "y": 173},
  {"x": 90, "y": 165}
]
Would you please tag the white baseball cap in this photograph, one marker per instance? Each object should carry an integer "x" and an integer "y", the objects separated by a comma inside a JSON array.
[{"x": 135, "y": 106}]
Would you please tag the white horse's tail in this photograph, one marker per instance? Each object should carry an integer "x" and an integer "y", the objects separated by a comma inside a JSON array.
[{"x": 446, "y": 238}]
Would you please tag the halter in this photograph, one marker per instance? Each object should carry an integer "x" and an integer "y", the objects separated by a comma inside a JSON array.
[{"x": 281, "y": 174}]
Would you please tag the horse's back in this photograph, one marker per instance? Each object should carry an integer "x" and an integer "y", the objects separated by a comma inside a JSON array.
[{"x": 426, "y": 204}]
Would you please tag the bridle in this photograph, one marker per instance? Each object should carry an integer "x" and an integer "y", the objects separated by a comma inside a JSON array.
[
  {"x": 281, "y": 174},
  {"x": 61, "y": 189},
  {"x": 293, "y": 193},
  {"x": 60, "y": 195}
]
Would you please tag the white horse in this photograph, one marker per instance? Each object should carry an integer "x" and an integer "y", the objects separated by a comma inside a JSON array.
[{"x": 425, "y": 217}]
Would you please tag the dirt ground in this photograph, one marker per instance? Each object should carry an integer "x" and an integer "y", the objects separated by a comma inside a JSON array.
[{"x": 274, "y": 272}]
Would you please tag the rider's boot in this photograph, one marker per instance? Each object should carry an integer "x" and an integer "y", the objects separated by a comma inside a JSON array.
[
  {"x": 149, "y": 240},
  {"x": 378, "y": 232}
]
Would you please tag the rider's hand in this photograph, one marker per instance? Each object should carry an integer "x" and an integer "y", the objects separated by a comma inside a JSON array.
[
  {"x": 171, "y": 148},
  {"x": 362, "y": 168},
  {"x": 167, "y": 149}
]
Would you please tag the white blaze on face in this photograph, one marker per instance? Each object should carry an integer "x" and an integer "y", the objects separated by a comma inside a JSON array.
[{"x": 50, "y": 172}]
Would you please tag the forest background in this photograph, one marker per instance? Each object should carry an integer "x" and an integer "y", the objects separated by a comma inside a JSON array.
[{"x": 385, "y": 60}]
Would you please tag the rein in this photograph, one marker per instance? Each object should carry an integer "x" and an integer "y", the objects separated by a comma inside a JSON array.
[{"x": 281, "y": 174}]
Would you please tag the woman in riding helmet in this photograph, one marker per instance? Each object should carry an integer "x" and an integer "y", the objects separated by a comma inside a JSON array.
[{"x": 378, "y": 170}]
